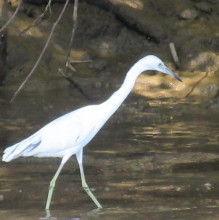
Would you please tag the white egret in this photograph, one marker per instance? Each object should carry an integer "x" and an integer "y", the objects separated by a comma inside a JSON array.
[{"x": 68, "y": 134}]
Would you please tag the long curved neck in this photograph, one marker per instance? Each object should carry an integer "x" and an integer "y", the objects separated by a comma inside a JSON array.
[{"x": 117, "y": 98}]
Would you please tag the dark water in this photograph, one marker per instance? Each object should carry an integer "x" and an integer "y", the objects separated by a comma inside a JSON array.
[{"x": 155, "y": 159}]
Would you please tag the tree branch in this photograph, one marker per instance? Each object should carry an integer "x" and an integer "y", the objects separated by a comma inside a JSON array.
[
  {"x": 42, "y": 53},
  {"x": 38, "y": 19},
  {"x": 13, "y": 16},
  {"x": 74, "y": 18},
  {"x": 68, "y": 59}
]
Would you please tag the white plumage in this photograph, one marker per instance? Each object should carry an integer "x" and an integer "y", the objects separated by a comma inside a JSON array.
[{"x": 68, "y": 134}]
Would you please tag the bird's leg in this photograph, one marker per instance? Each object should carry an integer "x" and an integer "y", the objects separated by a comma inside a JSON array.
[
  {"x": 79, "y": 157},
  {"x": 52, "y": 185},
  {"x": 87, "y": 189}
]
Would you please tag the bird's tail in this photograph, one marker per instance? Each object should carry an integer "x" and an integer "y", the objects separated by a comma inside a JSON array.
[{"x": 20, "y": 148}]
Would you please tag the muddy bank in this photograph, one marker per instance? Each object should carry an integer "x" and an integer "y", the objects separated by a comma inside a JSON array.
[{"x": 113, "y": 35}]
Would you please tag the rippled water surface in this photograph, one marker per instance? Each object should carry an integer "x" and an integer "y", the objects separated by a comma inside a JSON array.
[{"x": 154, "y": 159}]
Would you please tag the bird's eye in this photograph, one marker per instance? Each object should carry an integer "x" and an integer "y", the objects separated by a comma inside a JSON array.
[{"x": 160, "y": 65}]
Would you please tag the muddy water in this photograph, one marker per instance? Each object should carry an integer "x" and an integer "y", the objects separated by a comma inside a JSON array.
[{"x": 154, "y": 159}]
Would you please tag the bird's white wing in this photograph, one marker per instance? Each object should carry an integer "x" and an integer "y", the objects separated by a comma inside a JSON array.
[
  {"x": 18, "y": 149},
  {"x": 75, "y": 125},
  {"x": 68, "y": 132}
]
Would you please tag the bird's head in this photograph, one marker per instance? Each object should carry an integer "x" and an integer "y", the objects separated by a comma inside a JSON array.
[{"x": 152, "y": 62}]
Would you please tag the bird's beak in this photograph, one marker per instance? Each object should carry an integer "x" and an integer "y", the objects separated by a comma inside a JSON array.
[{"x": 169, "y": 72}]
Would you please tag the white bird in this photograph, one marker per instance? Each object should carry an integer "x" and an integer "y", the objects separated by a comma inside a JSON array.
[{"x": 70, "y": 133}]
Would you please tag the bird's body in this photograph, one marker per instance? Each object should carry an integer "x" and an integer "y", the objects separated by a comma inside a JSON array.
[
  {"x": 64, "y": 136},
  {"x": 68, "y": 134}
]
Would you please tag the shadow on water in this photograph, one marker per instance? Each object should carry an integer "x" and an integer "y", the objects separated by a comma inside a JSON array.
[{"x": 157, "y": 161}]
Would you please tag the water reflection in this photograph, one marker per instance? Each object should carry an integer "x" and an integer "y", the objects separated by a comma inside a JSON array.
[{"x": 162, "y": 164}]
